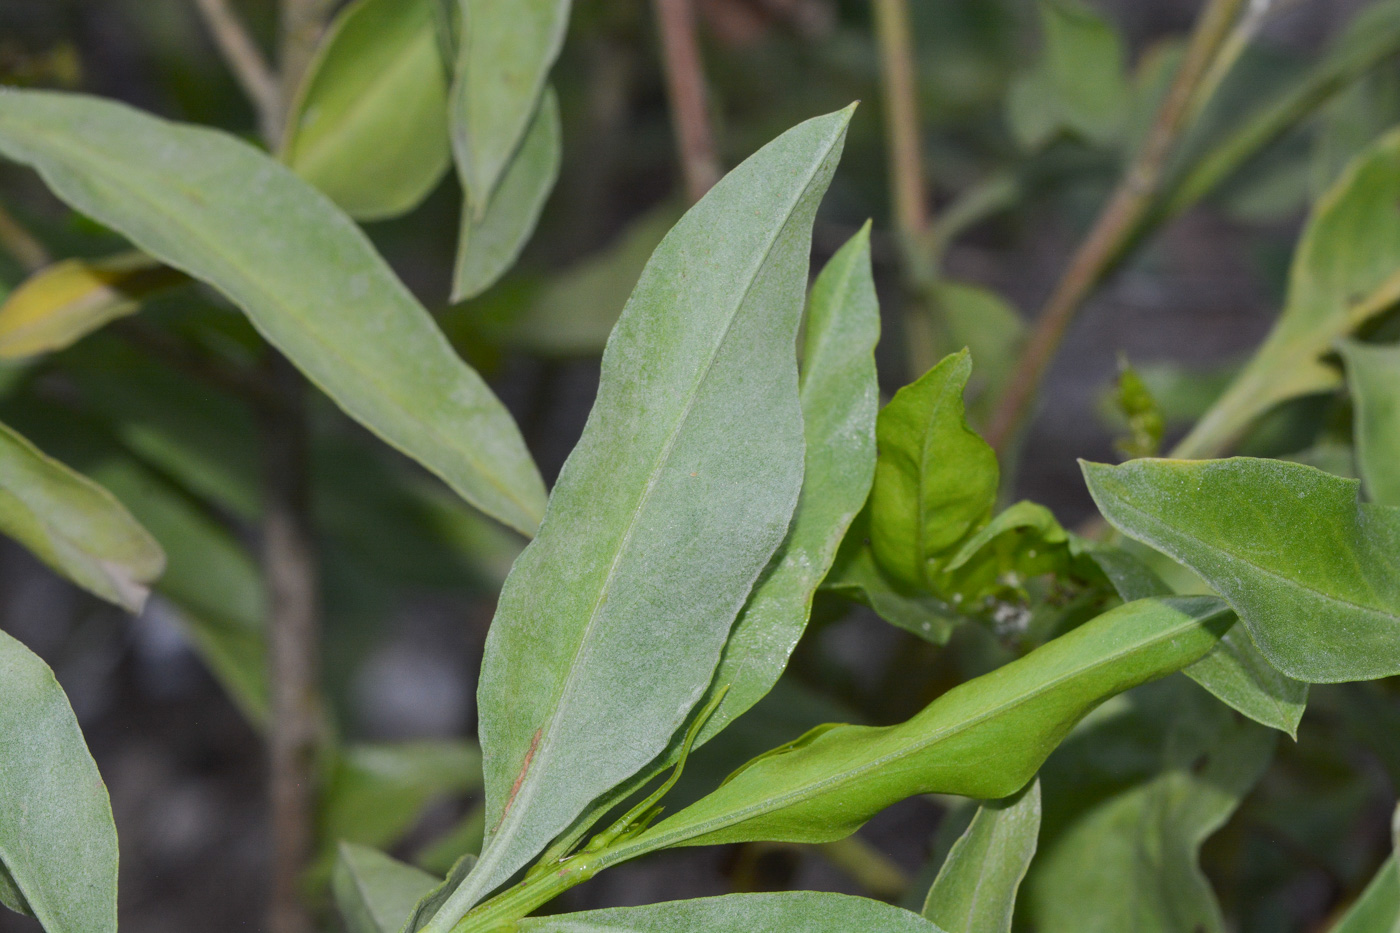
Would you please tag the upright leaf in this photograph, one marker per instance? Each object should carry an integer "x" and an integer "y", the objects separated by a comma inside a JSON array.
[
  {"x": 808, "y": 911},
  {"x": 935, "y": 480},
  {"x": 1345, "y": 270},
  {"x": 369, "y": 124},
  {"x": 1311, "y": 571},
  {"x": 975, "y": 891},
  {"x": 375, "y": 893},
  {"x": 58, "y": 844},
  {"x": 985, "y": 738},
  {"x": 74, "y": 525},
  {"x": 308, "y": 278},
  {"x": 1374, "y": 375},
  {"x": 59, "y": 305},
  {"x": 612, "y": 621},
  {"x": 504, "y": 58},
  {"x": 489, "y": 244}
]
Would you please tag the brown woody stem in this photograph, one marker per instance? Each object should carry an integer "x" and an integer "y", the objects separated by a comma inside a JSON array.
[{"x": 685, "y": 86}]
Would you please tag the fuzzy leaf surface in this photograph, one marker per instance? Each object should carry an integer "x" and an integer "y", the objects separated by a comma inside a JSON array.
[
  {"x": 1374, "y": 375},
  {"x": 376, "y": 893},
  {"x": 808, "y": 911},
  {"x": 309, "y": 279}
]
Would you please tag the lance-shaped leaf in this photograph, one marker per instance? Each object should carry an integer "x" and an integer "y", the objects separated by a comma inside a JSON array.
[
  {"x": 489, "y": 244},
  {"x": 376, "y": 893},
  {"x": 1310, "y": 569},
  {"x": 975, "y": 891},
  {"x": 1345, "y": 271},
  {"x": 63, "y": 303},
  {"x": 1132, "y": 861},
  {"x": 682, "y": 486},
  {"x": 1235, "y": 671},
  {"x": 1374, "y": 375},
  {"x": 369, "y": 125},
  {"x": 808, "y": 911},
  {"x": 74, "y": 525},
  {"x": 985, "y": 738},
  {"x": 935, "y": 481},
  {"x": 229, "y": 215},
  {"x": 504, "y": 57},
  {"x": 58, "y": 844}
]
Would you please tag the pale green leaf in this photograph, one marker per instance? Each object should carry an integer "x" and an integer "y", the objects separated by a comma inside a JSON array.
[
  {"x": 59, "y": 305},
  {"x": 984, "y": 322},
  {"x": 985, "y": 738},
  {"x": 682, "y": 486},
  {"x": 74, "y": 525},
  {"x": 1310, "y": 569},
  {"x": 58, "y": 843},
  {"x": 786, "y": 912},
  {"x": 376, "y": 893},
  {"x": 308, "y": 278},
  {"x": 1374, "y": 375},
  {"x": 1131, "y": 862},
  {"x": 935, "y": 480},
  {"x": 10, "y": 894},
  {"x": 505, "y": 54},
  {"x": 489, "y": 244},
  {"x": 1079, "y": 85},
  {"x": 1345, "y": 271},
  {"x": 975, "y": 891},
  {"x": 369, "y": 124}
]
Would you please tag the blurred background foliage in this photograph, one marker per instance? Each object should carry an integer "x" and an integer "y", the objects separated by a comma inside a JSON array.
[{"x": 1027, "y": 114}]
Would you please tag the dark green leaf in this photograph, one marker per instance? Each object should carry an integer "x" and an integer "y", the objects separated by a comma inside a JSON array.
[
  {"x": 58, "y": 843},
  {"x": 305, "y": 274}
]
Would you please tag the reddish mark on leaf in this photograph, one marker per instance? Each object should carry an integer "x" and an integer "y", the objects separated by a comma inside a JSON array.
[{"x": 520, "y": 778}]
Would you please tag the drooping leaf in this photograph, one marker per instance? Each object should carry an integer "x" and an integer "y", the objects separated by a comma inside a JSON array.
[
  {"x": 1130, "y": 862},
  {"x": 58, "y": 843},
  {"x": 74, "y": 525},
  {"x": 975, "y": 891},
  {"x": 504, "y": 57},
  {"x": 985, "y": 738},
  {"x": 308, "y": 278},
  {"x": 808, "y": 911},
  {"x": 1079, "y": 85},
  {"x": 369, "y": 124},
  {"x": 935, "y": 480},
  {"x": 1374, "y": 375},
  {"x": 681, "y": 488},
  {"x": 59, "y": 305},
  {"x": 488, "y": 244},
  {"x": 1345, "y": 271},
  {"x": 376, "y": 893},
  {"x": 1311, "y": 571}
]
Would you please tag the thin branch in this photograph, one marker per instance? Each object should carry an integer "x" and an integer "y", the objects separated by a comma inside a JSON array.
[
  {"x": 1116, "y": 225},
  {"x": 21, "y": 244},
  {"x": 297, "y": 725},
  {"x": 685, "y": 86},
  {"x": 246, "y": 61},
  {"x": 908, "y": 192}
]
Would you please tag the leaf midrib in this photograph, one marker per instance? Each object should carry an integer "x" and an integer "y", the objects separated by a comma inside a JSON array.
[{"x": 369, "y": 376}]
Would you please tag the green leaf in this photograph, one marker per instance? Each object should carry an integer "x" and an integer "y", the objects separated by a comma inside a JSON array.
[
  {"x": 308, "y": 278},
  {"x": 1378, "y": 910},
  {"x": 975, "y": 891},
  {"x": 1374, "y": 375},
  {"x": 1131, "y": 861},
  {"x": 681, "y": 488},
  {"x": 1079, "y": 85},
  {"x": 63, "y": 303},
  {"x": 489, "y": 244},
  {"x": 986, "y": 323},
  {"x": 935, "y": 480},
  {"x": 808, "y": 911},
  {"x": 505, "y": 55},
  {"x": 1345, "y": 271},
  {"x": 1310, "y": 570},
  {"x": 985, "y": 738},
  {"x": 369, "y": 125},
  {"x": 74, "y": 525},
  {"x": 857, "y": 576},
  {"x": 376, "y": 893},
  {"x": 58, "y": 844}
]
